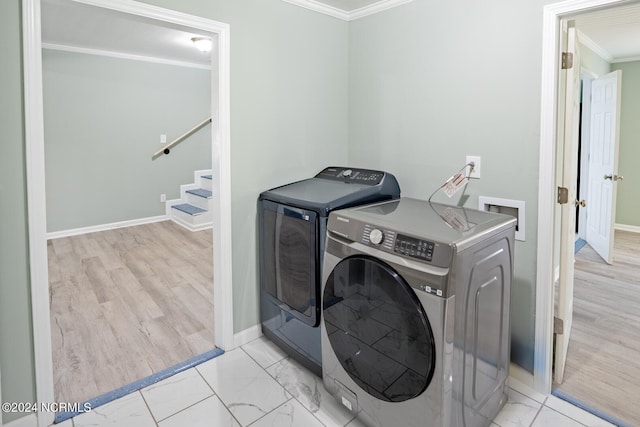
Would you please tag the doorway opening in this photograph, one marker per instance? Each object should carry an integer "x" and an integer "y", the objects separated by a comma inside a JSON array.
[
  {"x": 598, "y": 300},
  {"x": 218, "y": 146},
  {"x": 131, "y": 292},
  {"x": 602, "y": 328}
]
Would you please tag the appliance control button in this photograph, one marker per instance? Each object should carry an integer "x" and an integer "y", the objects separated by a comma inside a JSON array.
[
  {"x": 347, "y": 173},
  {"x": 376, "y": 236}
]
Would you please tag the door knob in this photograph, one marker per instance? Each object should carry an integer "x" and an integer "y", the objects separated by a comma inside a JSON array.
[
  {"x": 614, "y": 177},
  {"x": 582, "y": 203}
]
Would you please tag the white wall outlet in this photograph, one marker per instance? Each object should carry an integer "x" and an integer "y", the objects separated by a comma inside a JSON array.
[
  {"x": 163, "y": 197},
  {"x": 163, "y": 139},
  {"x": 475, "y": 171}
]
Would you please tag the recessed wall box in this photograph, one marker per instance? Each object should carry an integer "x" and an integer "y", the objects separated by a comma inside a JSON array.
[{"x": 508, "y": 207}]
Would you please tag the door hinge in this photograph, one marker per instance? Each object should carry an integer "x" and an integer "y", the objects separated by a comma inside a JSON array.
[
  {"x": 567, "y": 60},
  {"x": 563, "y": 195},
  {"x": 558, "y": 326}
]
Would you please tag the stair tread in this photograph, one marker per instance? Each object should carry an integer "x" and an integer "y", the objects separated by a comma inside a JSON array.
[
  {"x": 189, "y": 209},
  {"x": 201, "y": 192}
]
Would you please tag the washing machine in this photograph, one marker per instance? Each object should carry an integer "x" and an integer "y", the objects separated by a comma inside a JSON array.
[
  {"x": 292, "y": 227},
  {"x": 415, "y": 310}
]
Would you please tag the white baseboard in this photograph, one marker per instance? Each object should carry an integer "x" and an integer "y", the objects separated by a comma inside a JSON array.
[
  {"x": 521, "y": 375},
  {"x": 248, "y": 335},
  {"x": 28, "y": 421},
  {"x": 191, "y": 227},
  {"x": 105, "y": 227},
  {"x": 521, "y": 381},
  {"x": 631, "y": 228}
]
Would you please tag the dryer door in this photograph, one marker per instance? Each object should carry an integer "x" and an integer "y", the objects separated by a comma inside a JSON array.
[
  {"x": 289, "y": 262},
  {"x": 378, "y": 329}
]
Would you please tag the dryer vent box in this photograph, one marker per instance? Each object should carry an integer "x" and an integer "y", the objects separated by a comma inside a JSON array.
[{"x": 508, "y": 207}]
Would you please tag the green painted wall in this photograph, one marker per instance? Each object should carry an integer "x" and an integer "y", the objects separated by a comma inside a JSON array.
[
  {"x": 628, "y": 203},
  {"x": 103, "y": 120},
  {"x": 289, "y": 119},
  {"x": 16, "y": 339},
  {"x": 431, "y": 82},
  {"x": 411, "y": 90}
]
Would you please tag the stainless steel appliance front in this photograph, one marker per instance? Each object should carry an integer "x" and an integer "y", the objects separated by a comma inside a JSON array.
[{"x": 415, "y": 325}]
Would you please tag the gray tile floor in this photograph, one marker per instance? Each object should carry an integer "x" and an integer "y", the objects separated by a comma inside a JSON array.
[{"x": 257, "y": 385}]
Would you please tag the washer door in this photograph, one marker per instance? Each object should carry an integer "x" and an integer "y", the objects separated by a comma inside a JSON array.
[{"x": 378, "y": 329}]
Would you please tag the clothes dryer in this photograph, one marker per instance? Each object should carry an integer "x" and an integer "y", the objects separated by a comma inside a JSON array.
[
  {"x": 292, "y": 228},
  {"x": 415, "y": 310}
]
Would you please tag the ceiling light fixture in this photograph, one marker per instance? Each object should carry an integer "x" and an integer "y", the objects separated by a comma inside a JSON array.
[{"x": 203, "y": 44}]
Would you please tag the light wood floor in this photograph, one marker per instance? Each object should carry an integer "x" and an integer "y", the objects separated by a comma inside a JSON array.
[
  {"x": 603, "y": 360},
  {"x": 127, "y": 303}
]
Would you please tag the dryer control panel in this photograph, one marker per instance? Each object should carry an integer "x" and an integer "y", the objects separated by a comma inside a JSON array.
[{"x": 360, "y": 176}]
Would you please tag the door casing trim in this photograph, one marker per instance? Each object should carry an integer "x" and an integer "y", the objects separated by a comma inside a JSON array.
[
  {"x": 35, "y": 174},
  {"x": 552, "y": 14}
]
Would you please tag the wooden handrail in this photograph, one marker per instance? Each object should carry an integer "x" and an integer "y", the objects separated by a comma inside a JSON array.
[{"x": 167, "y": 148}]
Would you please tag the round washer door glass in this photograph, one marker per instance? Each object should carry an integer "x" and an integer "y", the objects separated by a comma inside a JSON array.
[{"x": 378, "y": 329}]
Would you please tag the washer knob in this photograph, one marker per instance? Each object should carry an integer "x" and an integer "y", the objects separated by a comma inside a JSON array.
[
  {"x": 347, "y": 173},
  {"x": 376, "y": 236}
]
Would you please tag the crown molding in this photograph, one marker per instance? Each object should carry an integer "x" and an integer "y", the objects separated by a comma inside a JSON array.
[
  {"x": 585, "y": 40},
  {"x": 317, "y": 6},
  {"x": 625, "y": 59},
  {"x": 375, "y": 8},
  {"x": 121, "y": 55},
  {"x": 322, "y": 8}
]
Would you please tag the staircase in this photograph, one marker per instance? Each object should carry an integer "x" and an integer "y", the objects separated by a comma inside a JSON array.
[{"x": 193, "y": 210}]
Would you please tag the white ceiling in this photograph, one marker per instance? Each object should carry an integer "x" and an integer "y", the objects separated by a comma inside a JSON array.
[
  {"x": 613, "y": 33},
  {"x": 75, "y": 26}
]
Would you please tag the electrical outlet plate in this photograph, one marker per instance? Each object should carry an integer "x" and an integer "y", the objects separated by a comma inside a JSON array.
[
  {"x": 163, "y": 197},
  {"x": 163, "y": 139},
  {"x": 475, "y": 172}
]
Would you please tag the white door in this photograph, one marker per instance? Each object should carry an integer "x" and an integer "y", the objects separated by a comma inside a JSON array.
[
  {"x": 586, "y": 78},
  {"x": 568, "y": 210},
  {"x": 603, "y": 163}
]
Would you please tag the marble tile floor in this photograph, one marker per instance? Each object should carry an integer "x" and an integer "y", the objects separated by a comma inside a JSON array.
[{"x": 257, "y": 385}]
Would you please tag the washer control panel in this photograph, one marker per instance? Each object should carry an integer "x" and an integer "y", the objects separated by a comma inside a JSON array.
[
  {"x": 415, "y": 248},
  {"x": 398, "y": 243},
  {"x": 378, "y": 237}
]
